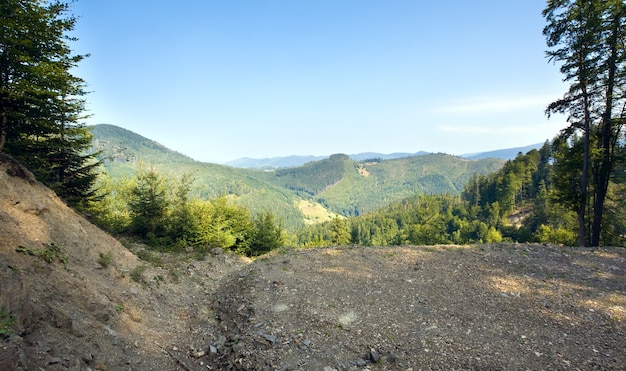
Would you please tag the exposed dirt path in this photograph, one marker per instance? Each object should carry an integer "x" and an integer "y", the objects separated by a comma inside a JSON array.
[{"x": 493, "y": 307}]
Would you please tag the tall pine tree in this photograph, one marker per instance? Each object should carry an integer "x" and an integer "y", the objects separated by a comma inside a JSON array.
[
  {"x": 587, "y": 38},
  {"x": 41, "y": 101}
]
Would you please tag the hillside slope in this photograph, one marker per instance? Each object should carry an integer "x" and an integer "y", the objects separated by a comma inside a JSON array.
[
  {"x": 69, "y": 311},
  {"x": 337, "y": 184},
  {"x": 368, "y": 186}
]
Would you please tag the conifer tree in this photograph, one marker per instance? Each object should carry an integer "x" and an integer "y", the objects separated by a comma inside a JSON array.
[
  {"x": 587, "y": 38},
  {"x": 148, "y": 204},
  {"x": 266, "y": 236},
  {"x": 41, "y": 101}
]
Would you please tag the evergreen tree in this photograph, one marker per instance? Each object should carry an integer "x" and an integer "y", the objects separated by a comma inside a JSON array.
[
  {"x": 613, "y": 117},
  {"x": 148, "y": 204},
  {"x": 181, "y": 222},
  {"x": 219, "y": 223},
  {"x": 41, "y": 100},
  {"x": 340, "y": 233},
  {"x": 586, "y": 36},
  {"x": 266, "y": 236}
]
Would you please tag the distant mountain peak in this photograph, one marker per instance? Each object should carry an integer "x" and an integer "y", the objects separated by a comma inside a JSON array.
[
  {"x": 274, "y": 163},
  {"x": 505, "y": 154}
]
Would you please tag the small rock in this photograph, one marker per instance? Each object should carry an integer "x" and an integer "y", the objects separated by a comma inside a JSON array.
[
  {"x": 217, "y": 251},
  {"x": 271, "y": 338},
  {"x": 199, "y": 354},
  {"x": 133, "y": 291},
  {"x": 53, "y": 360},
  {"x": 373, "y": 355},
  {"x": 238, "y": 347},
  {"x": 361, "y": 362},
  {"x": 102, "y": 316},
  {"x": 328, "y": 368},
  {"x": 109, "y": 330},
  {"x": 76, "y": 329},
  {"x": 87, "y": 358},
  {"x": 212, "y": 350},
  {"x": 74, "y": 364}
]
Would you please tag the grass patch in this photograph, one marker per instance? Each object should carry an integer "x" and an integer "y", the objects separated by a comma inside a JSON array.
[
  {"x": 7, "y": 321},
  {"x": 158, "y": 279},
  {"x": 50, "y": 253},
  {"x": 150, "y": 257},
  {"x": 175, "y": 274},
  {"x": 137, "y": 273},
  {"x": 105, "y": 259}
]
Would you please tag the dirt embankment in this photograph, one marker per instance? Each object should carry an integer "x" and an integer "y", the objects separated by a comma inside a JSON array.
[{"x": 350, "y": 308}]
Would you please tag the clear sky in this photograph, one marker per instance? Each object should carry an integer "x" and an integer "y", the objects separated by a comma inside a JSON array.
[{"x": 223, "y": 79}]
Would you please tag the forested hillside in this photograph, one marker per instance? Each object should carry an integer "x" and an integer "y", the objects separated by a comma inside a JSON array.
[
  {"x": 521, "y": 202},
  {"x": 338, "y": 183},
  {"x": 434, "y": 198},
  {"x": 124, "y": 154},
  {"x": 373, "y": 184}
]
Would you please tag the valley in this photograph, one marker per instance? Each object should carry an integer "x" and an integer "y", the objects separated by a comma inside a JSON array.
[{"x": 338, "y": 184}]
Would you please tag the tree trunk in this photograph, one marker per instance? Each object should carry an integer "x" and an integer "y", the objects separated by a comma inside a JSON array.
[
  {"x": 584, "y": 178},
  {"x": 606, "y": 141},
  {"x": 3, "y": 130}
]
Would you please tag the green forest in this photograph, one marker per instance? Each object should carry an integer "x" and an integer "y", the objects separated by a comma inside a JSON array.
[
  {"x": 570, "y": 191},
  {"x": 519, "y": 203}
]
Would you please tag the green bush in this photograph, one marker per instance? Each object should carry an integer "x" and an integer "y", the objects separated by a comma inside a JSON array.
[
  {"x": 556, "y": 235},
  {"x": 105, "y": 259},
  {"x": 7, "y": 321},
  {"x": 267, "y": 235},
  {"x": 137, "y": 273}
]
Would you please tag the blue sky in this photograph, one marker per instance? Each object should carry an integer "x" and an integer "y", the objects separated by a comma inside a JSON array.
[{"x": 221, "y": 80}]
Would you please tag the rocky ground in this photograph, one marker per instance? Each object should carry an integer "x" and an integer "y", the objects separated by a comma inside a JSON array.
[
  {"x": 444, "y": 307},
  {"x": 72, "y": 297}
]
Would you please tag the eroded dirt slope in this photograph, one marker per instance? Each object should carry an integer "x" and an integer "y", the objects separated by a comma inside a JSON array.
[{"x": 71, "y": 312}]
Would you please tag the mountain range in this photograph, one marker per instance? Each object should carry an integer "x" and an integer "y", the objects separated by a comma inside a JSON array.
[
  {"x": 313, "y": 191},
  {"x": 272, "y": 163}
]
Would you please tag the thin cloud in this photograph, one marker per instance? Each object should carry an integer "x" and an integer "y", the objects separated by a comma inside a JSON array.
[
  {"x": 486, "y": 105},
  {"x": 507, "y": 130}
]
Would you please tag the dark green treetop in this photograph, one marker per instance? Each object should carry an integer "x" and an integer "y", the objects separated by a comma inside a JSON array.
[{"x": 41, "y": 100}]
